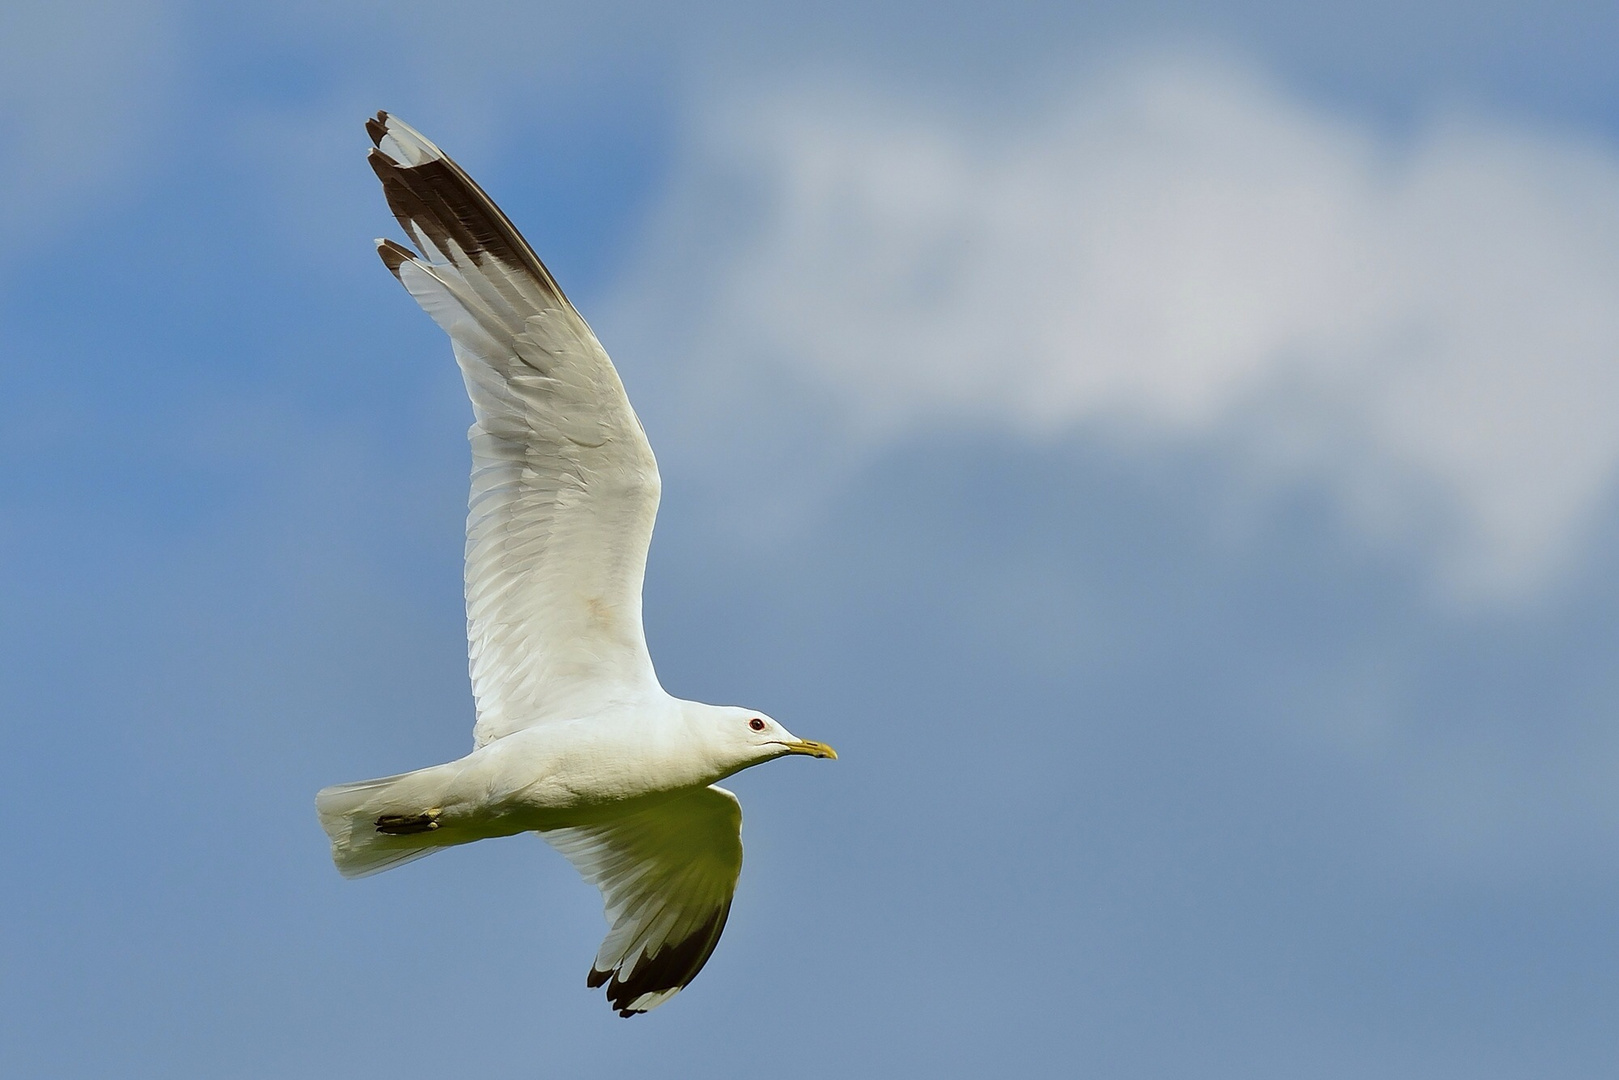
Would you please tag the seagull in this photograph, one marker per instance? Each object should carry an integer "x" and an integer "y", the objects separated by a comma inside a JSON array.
[{"x": 575, "y": 738}]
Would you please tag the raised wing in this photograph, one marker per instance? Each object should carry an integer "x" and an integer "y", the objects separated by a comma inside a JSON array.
[
  {"x": 564, "y": 485},
  {"x": 667, "y": 874}
]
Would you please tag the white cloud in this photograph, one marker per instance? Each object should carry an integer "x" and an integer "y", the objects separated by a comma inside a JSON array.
[{"x": 1179, "y": 250}]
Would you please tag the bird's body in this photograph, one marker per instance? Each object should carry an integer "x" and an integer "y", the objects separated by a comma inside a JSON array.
[
  {"x": 575, "y": 738},
  {"x": 566, "y": 774}
]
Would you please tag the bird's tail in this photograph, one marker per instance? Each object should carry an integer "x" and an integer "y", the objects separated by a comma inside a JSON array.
[{"x": 375, "y": 825}]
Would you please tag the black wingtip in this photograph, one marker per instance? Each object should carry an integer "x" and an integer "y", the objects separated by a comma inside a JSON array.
[
  {"x": 394, "y": 255},
  {"x": 672, "y": 967},
  {"x": 381, "y": 164},
  {"x": 437, "y": 202},
  {"x": 597, "y": 978}
]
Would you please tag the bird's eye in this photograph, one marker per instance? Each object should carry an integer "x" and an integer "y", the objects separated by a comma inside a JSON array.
[{"x": 756, "y": 724}]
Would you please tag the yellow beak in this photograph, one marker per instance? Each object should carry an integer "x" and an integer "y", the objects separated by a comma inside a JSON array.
[{"x": 813, "y": 749}]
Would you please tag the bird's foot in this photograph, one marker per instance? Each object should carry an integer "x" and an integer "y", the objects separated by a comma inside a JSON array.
[{"x": 409, "y": 824}]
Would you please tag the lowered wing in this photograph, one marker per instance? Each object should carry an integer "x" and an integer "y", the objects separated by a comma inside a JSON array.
[
  {"x": 564, "y": 484},
  {"x": 667, "y": 874}
]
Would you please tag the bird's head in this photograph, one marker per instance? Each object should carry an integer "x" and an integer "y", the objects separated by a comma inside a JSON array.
[{"x": 740, "y": 737}]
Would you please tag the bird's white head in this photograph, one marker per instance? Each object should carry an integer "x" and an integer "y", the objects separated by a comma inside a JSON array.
[{"x": 737, "y": 738}]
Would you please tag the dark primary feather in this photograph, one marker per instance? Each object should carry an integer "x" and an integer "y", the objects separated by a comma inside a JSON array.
[
  {"x": 671, "y": 968},
  {"x": 439, "y": 200}
]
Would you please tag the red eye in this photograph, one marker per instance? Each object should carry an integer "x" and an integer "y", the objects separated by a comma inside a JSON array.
[{"x": 756, "y": 724}]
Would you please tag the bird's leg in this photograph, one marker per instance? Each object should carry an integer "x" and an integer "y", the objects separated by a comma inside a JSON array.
[{"x": 407, "y": 824}]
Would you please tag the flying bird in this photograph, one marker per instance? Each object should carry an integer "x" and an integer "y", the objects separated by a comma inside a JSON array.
[{"x": 575, "y": 738}]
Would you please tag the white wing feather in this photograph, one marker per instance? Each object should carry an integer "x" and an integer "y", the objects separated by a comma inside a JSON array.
[
  {"x": 667, "y": 874},
  {"x": 564, "y": 484}
]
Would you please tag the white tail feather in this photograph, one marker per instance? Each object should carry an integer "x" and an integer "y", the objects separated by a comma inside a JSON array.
[{"x": 349, "y": 813}]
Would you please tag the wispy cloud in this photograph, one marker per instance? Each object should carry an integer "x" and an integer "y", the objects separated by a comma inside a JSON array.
[{"x": 1177, "y": 249}]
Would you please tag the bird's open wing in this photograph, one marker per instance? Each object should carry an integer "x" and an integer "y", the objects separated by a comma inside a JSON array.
[
  {"x": 667, "y": 874},
  {"x": 564, "y": 485}
]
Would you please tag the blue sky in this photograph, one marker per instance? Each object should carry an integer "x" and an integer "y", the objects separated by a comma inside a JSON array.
[{"x": 1167, "y": 449}]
